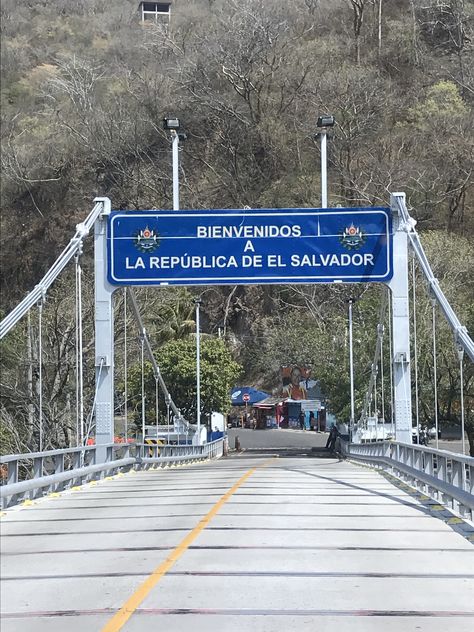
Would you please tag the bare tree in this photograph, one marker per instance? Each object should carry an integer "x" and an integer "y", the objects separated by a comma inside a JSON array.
[{"x": 357, "y": 21}]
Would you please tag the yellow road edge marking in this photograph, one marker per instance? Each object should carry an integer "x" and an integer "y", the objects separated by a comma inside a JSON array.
[{"x": 123, "y": 615}]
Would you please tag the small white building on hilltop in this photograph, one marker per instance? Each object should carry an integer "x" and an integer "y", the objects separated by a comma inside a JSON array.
[{"x": 155, "y": 11}]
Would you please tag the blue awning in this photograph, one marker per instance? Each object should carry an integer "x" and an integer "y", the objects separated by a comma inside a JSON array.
[{"x": 237, "y": 395}]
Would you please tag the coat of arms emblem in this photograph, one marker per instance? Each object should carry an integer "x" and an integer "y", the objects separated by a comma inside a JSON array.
[
  {"x": 147, "y": 240},
  {"x": 352, "y": 237}
]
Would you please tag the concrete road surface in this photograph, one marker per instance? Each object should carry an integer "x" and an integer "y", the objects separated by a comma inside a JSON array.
[
  {"x": 282, "y": 438},
  {"x": 248, "y": 543}
]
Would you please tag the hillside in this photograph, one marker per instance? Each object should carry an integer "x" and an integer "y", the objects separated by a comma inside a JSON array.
[{"x": 85, "y": 86}]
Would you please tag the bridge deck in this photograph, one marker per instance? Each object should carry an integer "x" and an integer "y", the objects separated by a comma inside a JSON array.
[{"x": 299, "y": 544}]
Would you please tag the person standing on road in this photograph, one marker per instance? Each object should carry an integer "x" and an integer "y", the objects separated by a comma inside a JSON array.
[
  {"x": 333, "y": 435},
  {"x": 301, "y": 419}
]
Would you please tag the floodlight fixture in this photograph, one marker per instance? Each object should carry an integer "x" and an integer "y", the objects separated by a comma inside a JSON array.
[
  {"x": 171, "y": 123},
  {"x": 325, "y": 121}
]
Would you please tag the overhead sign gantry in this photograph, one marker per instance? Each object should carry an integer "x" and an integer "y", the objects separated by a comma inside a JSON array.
[{"x": 250, "y": 246}]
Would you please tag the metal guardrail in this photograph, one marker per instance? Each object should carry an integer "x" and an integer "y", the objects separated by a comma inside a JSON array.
[
  {"x": 163, "y": 454},
  {"x": 55, "y": 470},
  {"x": 445, "y": 476}
]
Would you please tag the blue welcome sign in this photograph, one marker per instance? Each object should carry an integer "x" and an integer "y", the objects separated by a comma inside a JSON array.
[{"x": 230, "y": 247}]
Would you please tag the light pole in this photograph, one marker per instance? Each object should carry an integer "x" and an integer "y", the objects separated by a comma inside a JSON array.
[
  {"x": 322, "y": 124},
  {"x": 197, "y": 302},
  {"x": 172, "y": 124},
  {"x": 351, "y": 301}
]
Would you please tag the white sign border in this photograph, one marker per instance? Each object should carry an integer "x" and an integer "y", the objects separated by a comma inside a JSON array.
[{"x": 255, "y": 279}]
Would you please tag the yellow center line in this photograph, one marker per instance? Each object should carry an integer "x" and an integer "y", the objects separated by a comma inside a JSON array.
[{"x": 129, "y": 607}]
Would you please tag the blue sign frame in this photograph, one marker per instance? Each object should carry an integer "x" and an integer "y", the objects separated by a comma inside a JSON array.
[{"x": 255, "y": 246}]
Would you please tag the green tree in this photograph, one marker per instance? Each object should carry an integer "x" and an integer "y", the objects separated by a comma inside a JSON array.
[
  {"x": 314, "y": 332},
  {"x": 177, "y": 362}
]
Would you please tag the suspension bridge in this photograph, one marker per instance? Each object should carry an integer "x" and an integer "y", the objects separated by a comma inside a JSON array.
[{"x": 100, "y": 534}]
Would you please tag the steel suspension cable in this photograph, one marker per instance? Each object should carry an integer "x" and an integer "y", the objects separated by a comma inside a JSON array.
[
  {"x": 31, "y": 400},
  {"x": 375, "y": 405},
  {"x": 157, "y": 394},
  {"x": 40, "y": 373},
  {"x": 168, "y": 419},
  {"x": 435, "y": 371},
  {"x": 382, "y": 386},
  {"x": 82, "y": 230},
  {"x": 390, "y": 340},
  {"x": 415, "y": 350},
  {"x": 351, "y": 372},
  {"x": 91, "y": 414},
  {"x": 461, "y": 377},
  {"x": 368, "y": 395},
  {"x": 142, "y": 361},
  {"x": 156, "y": 369},
  {"x": 77, "y": 357},
  {"x": 80, "y": 351},
  {"x": 460, "y": 331},
  {"x": 375, "y": 388},
  {"x": 125, "y": 364}
]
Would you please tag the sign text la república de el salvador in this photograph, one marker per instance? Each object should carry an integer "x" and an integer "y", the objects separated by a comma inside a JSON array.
[{"x": 229, "y": 247}]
